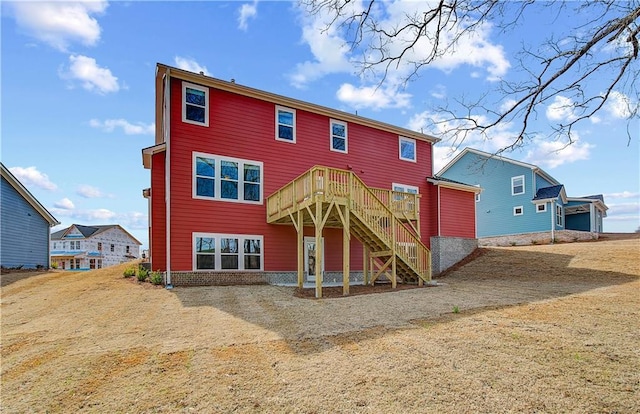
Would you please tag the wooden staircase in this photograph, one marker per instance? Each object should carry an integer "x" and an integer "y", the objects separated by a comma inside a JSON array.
[{"x": 330, "y": 197}]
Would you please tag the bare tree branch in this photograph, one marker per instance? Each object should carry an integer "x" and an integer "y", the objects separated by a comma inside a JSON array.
[{"x": 604, "y": 46}]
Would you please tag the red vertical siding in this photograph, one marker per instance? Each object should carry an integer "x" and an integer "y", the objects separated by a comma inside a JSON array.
[
  {"x": 457, "y": 213},
  {"x": 244, "y": 127}
]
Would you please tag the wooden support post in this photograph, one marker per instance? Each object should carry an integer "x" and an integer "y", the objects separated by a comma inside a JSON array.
[
  {"x": 300, "y": 249},
  {"x": 346, "y": 249},
  {"x": 365, "y": 264},
  {"x": 319, "y": 252},
  {"x": 394, "y": 253}
]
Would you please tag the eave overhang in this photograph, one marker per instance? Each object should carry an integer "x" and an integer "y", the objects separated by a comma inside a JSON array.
[{"x": 148, "y": 152}]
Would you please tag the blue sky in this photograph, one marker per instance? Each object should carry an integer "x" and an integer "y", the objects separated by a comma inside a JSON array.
[{"x": 78, "y": 97}]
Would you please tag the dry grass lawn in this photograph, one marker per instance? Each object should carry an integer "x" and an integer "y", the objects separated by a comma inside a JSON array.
[{"x": 540, "y": 329}]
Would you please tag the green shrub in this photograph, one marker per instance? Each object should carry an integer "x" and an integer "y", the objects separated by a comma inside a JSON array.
[
  {"x": 129, "y": 271},
  {"x": 142, "y": 275},
  {"x": 155, "y": 278},
  {"x": 54, "y": 265},
  {"x": 144, "y": 271},
  {"x": 456, "y": 309}
]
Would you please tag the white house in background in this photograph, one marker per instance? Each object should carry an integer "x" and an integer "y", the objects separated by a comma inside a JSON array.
[{"x": 81, "y": 247}]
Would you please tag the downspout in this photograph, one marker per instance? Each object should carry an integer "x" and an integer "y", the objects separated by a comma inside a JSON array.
[
  {"x": 439, "y": 213},
  {"x": 167, "y": 171},
  {"x": 553, "y": 220}
]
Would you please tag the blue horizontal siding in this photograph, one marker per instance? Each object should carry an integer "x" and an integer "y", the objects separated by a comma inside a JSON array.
[
  {"x": 495, "y": 208},
  {"x": 24, "y": 238}
]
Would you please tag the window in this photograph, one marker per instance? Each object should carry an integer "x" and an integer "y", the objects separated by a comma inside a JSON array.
[
  {"x": 227, "y": 252},
  {"x": 99, "y": 246},
  {"x": 477, "y": 197},
  {"x": 405, "y": 188},
  {"x": 92, "y": 263},
  {"x": 518, "y": 211},
  {"x": 195, "y": 104},
  {"x": 99, "y": 263},
  {"x": 113, "y": 247},
  {"x": 541, "y": 208},
  {"x": 127, "y": 249},
  {"x": 338, "y": 136},
  {"x": 517, "y": 185},
  {"x": 404, "y": 202},
  {"x": 227, "y": 179},
  {"x": 285, "y": 124},
  {"x": 407, "y": 149},
  {"x": 559, "y": 215}
]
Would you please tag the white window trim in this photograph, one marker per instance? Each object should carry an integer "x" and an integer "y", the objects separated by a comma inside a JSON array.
[
  {"x": 218, "y": 254},
  {"x": 415, "y": 149},
  {"x": 523, "y": 185},
  {"x": 515, "y": 213},
  {"x": 217, "y": 180},
  {"x": 544, "y": 208},
  {"x": 477, "y": 197},
  {"x": 186, "y": 85},
  {"x": 346, "y": 136},
  {"x": 559, "y": 216},
  {"x": 405, "y": 187},
  {"x": 293, "y": 111}
]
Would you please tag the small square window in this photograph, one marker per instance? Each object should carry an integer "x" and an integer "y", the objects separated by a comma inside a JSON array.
[
  {"x": 518, "y": 211},
  {"x": 195, "y": 104},
  {"x": 407, "y": 148},
  {"x": 339, "y": 136},
  {"x": 285, "y": 124},
  {"x": 541, "y": 208}
]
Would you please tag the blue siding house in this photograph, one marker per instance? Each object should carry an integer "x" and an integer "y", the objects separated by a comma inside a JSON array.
[
  {"x": 25, "y": 224},
  {"x": 521, "y": 198}
]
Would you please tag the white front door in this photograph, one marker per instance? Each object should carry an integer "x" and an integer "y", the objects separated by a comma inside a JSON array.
[{"x": 310, "y": 258}]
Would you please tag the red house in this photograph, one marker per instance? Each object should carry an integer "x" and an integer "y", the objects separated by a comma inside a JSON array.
[{"x": 252, "y": 187}]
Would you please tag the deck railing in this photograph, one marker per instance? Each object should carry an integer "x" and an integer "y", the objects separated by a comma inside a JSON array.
[{"x": 375, "y": 207}]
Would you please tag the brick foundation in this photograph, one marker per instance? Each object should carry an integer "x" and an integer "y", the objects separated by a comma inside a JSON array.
[{"x": 527, "y": 239}]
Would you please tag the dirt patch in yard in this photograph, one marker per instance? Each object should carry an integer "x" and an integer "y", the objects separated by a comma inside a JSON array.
[{"x": 549, "y": 328}]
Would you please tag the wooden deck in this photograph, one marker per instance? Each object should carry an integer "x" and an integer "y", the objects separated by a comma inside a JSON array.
[{"x": 386, "y": 223}]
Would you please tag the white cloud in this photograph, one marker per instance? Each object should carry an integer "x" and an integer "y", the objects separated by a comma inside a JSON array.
[
  {"x": 60, "y": 23},
  {"x": 539, "y": 151},
  {"x": 551, "y": 154},
  {"x": 623, "y": 195},
  {"x": 91, "y": 76},
  {"x": 332, "y": 55},
  {"x": 64, "y": 204},
  {"x": 372, "y": 97},
  {"x": 30, "y": 176},
  {"x": 247, "y": 11},
  {"x": 130, "y": 220},
  {"x": 562, "y": 109},
  {"x": 91, "y": 216},
  {"x": 620, "y": 106},
  {"x": 329, "y": 50},
  {"x": 109, "y": 125},
  {"x": 439, "y": 92},
  {"x": 191, "y": 65},
  {"x": 88, "y": 191}
]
